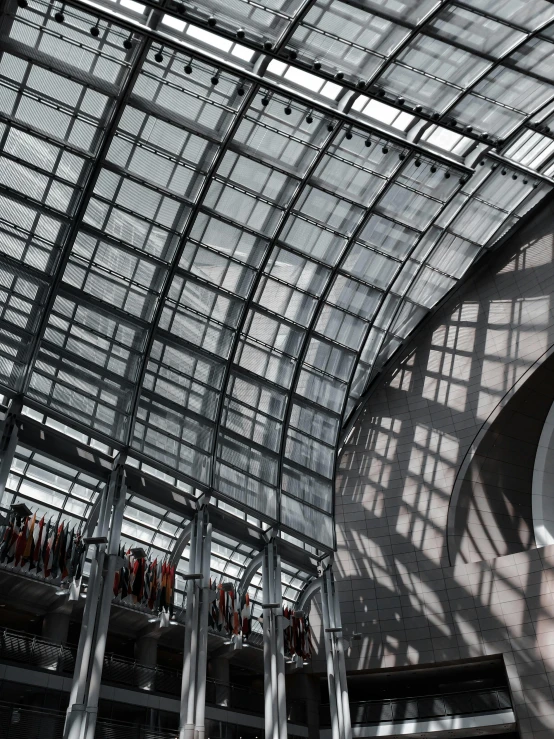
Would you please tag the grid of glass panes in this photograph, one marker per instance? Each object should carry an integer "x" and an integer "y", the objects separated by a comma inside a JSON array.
[
  {"x": 50, "y": 488},
  {"x": 243, "y": 264}
]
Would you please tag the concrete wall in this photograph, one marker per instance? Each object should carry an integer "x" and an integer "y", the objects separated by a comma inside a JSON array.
[{"x": 398, "y": 475}]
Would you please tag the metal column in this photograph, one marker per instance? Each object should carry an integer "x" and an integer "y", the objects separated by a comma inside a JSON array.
[
  {"x": 193, "y": 686},
  {"x": 275, "y": 705},
  {"x": 8, "y": 442},
  {"x": 334, "y": 651},
  {"x": 83, "y": 701}
]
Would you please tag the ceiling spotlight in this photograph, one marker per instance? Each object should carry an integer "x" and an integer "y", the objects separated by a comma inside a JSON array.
[
  {"x": 525, "y": 181},
  {"x": 265, "y": 100},
  {"x": 128, "y": 43},
  {"x": 22, "y": 3},
  {"x": 436, "y": 116},
  {"x": 158, "y": 56},
  {"x": 482, "y": 162},
  {"x": 309, "y": 117},
  {"x": 240, "y": 88},
  {"x": 59, "y": 16},
  {"x": 330, "y": 126},
  {"x": 463, "y": 180},
  {"x": 268, "y": 45},
  {"x": 317, "y": 65},
  {"x": 381, "y": 92},
  {"x": 469, "y": 129},
  {"x": 514, "y": 176},
  {"x": 188, "y": 67},
  {"x": 535, "y": 184},
  {"x": 293, "y": 54},
  {"x": 360, "y": 84},
  {"x": 433, "y": 168},
  {"x": 402, "y": 155},
  {"x": 288, "y": 109},
  {"x": 181, "y": 9},
  {"x": 212, "y": 21},
  {"x": 339, "y": 75},
  {"x": 499, "y": 145},
  {"x": 95, "y": 31},
  {"x": 400, "y": 101},
  {"x": 240, "y": 33},
  {"x": 504, "y": 171},
  {"x": 348, "y": 134},
  {"x": 385, "y": 150},
  {"x": 453, "y": 122},
  {"x": 367, "y": 143},
  {"x": 418, "y": 108},
  {"x": 417, "y": 162},
  {"x": 215, "y": 78},
  {"x": 447, "y": 175}
]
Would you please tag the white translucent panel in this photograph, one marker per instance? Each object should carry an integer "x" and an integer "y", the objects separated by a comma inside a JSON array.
[
  {"x": 306, "y": 520},
  {"x": 454, "y": 255},
  {"x": 286, "y": 301},
  {"x": 246, "y": 490},
  {"x": 313, "y": 240},
  {"x": 418, "y": 87},
  {"x": 439, "y": 59},
  {"x": 217, "y": 269},
  {"x": 310, "y": 453},
  {"x": 354, "y": 297},
  {"x": 330, "y": 359},
  {"x": 517, "y": 12},
  {"x": 514, "y": 89},
  {"x": 408, "y": 207},
  {"x": 486, "y": 116},
  {"x": 477, "y": 222},
  {"x": 429, "y": 287},
  {"x": 535, "y": 56},
  {"x": 297, "y": 271},
  {"x": 479, "y": 33},
  {"x": 315, "y": 422},
  {"x": 229, "y": 239},
  {"x": 324, "y": 391},
  {"x": 330, "y": 210},
  {"x": 388, "y": 236},
  {"x": 342, "y": 327},
  {"x": 241, "y": 455},
  {"x": 372, "y": 267}
]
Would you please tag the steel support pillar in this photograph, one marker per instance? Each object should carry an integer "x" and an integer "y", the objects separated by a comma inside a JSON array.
[
  {"x": 193, "y": 686},
  {"x": 8, "y": 441},
  {"x": 85, "y": 690},
  {"x": 275, "y": 705},
  {"x": 334, "y": 654}
]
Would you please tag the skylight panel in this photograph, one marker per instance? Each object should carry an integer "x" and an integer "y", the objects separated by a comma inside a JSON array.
[
  {"x": 132, "y": 5},
  {"x": 209, "y": 38},
  {"x": 330, "y": 90},
  {"x": 242, "y": 52},
  {"x": 169, "y": 20},
  {"x": 305, "y": 79},
  {"x": 277, "y": 67}
]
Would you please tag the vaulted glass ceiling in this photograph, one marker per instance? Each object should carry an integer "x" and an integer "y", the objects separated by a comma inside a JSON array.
[{"x": 220, "y": 220}]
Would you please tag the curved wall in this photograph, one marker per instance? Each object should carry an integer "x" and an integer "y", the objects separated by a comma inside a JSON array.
[
  {"x": 491, "y": 512},
  {"x": 398, "y": 471},
  {"x": 543, "y": 484}
]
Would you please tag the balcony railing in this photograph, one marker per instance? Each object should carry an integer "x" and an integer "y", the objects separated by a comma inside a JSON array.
[
  {"x": 426, "y": 707},
  {"x": 32, "y": 650}
]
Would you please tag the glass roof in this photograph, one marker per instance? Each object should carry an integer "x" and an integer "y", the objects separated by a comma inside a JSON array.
[
  {"x": 59, "y": 492},
  {"x": 218, "y": 222}
]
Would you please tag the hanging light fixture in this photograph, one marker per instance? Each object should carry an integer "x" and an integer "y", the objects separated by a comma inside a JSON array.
[
  {"x": 59, "y": 15},
  {"x": 95, "y": 30},
  {"x": 158, "y": 56},
  {"x": 288, "y": 109},
  {"x": 188, "y": 67},
  {"x": 215, "y": 78},
  {"x": 309, "y": 117},
  {"x": 128, "y": 42}
]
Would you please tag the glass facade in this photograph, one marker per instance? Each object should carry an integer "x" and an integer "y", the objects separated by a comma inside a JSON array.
[{"x": 218, "y": 223}]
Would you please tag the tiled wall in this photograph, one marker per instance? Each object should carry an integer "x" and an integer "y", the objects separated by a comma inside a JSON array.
[{"x": 398, "y": 472}]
